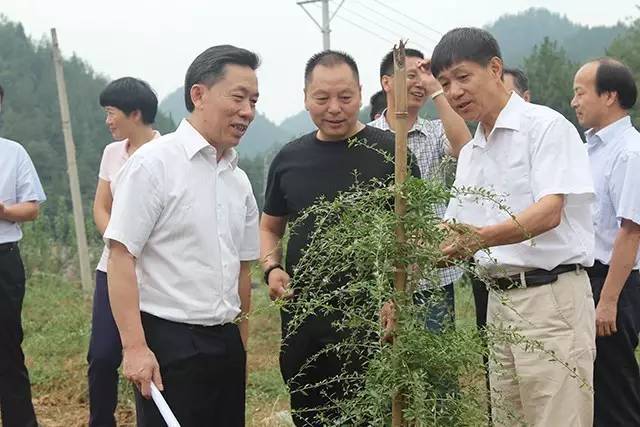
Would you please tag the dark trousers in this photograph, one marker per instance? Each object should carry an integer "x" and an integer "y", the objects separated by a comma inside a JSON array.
[
  {"x": 105, "y": 355},
  {"x": 616, "y": 373},
  {"x": 15, "y": 388},
  {"x": 481, "y": 299},
  {"x": 439, "y": 307},
  {"x": 306, "y": 373},
  {"x": 203, "y": 371}
]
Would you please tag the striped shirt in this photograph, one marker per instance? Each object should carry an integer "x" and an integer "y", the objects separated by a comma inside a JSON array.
[{"x": 429, "y": 144}]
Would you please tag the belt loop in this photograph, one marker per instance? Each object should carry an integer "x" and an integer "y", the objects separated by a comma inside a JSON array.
[
  {"x": 578, "y": 269},
  {"x": 523, "y": 279}
]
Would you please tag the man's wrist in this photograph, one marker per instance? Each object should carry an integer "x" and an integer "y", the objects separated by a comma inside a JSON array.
[
  {"x": 268, "y": 270},
  {"x": 134, "y": 345}
]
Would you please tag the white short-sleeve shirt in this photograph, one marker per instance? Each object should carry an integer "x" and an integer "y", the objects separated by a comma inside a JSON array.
[
  {"x": 614, "y": 152},
  {"x": 532, "y": 152},
  {"x": 19, "y": 183},
  {"x": 189, "y": 220},
  {"x": 114, "y": 157}
]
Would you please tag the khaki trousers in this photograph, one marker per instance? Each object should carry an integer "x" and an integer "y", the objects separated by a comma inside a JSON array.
[{"x": 552, "y": 386}]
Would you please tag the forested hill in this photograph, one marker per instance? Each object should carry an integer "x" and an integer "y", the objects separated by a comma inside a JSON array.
[
  {"x": 31, "y": 115},
  {"x": 518, "y": 34}
]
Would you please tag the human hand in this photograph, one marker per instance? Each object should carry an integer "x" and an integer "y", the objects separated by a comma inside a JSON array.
[
  {"x": 606, "y": 313},
  {"x": 141, "y": 367},
  {"x": 429, "y": 82},
  {"x": 388, "y": 321},
  {"x": 462, "y": 241},
  {"x": 279, "y": 284}
]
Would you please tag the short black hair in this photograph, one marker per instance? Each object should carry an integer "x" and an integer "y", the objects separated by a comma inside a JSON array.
[
  {"x": 209, "y": 67},
  {"x": 386, "y": 66},
  {"x": 330, "y": 58},
  {"x": 519, "y": 78},
  {"x": 1, "y": 94},
  {"x": 378, "y": 103},
  {"x": 614, "y": 76},
  {"x": 464, "y": 44},
  {"x": 129, "y": 94}
]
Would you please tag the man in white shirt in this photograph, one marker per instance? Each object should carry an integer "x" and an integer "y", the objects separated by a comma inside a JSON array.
[
  {"x": 21, "y": 194},
  {"x": 605, "y": 91},
  {"x": 533, "y": 160},
  {"x": 183, "y": 232}
]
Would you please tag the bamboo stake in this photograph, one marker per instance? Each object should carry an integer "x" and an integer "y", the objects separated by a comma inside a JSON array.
[
  {"x": 401, "y": 115},
  {"x": 72, "y": 168}
]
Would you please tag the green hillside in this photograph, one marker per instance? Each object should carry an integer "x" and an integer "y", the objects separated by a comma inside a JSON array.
[
  {"x": 30, "y": 112},
  {"x": 518, "y": 34}
]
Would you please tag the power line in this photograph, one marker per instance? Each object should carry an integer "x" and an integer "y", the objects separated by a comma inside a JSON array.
[
  {"x": 382, "y": 27},
  {"x": 409, "y": 17},
  {"x": 366, "y": 29},
  {"x": 394, "y": 33},
  {"x": 402, "y": 24}
]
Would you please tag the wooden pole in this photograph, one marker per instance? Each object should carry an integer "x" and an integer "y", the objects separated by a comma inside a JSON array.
[
  {"x": 72, "y": 169},
  {"x": 401, "y": 115}
]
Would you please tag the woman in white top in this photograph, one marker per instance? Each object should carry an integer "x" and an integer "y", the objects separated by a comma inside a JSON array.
[{"x": 130, "y": 106}]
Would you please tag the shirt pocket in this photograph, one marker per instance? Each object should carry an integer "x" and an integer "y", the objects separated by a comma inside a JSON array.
[{"x": 516, "y": 184}]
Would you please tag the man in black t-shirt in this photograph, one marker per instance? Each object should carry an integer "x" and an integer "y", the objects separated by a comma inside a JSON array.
[{"x": 321, "y": 163}]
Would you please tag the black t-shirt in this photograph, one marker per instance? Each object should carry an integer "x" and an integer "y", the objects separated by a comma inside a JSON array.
[{"x": 308, "y": 168}]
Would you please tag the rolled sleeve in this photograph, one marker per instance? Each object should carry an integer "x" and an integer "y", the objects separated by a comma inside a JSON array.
[
  {"x": 29, "y": 188},
  {"x": 250, "y": 246},
  {"x": 625, "y": 187},
  {"x": 137, "y": 206},
  {"x": 560, "y": 164}
]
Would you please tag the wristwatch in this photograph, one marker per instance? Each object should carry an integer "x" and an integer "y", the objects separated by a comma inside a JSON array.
[{"x": 269, "y": 270}]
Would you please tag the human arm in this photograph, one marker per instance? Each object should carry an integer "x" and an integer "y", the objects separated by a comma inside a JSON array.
[
  {"x": 271, "y": 232},
  {"x": 139, "y": 363},
  {"x": 136, "y": 208},
  {"x": 623, "y": 258},
  {"x": 540, "y": 217},
  {"x": 102, "y": 205},
  {"x": 19, "y": 212},
  {"x": 244, "y": 291}
]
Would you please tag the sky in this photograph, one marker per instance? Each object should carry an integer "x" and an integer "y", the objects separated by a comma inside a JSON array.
[{"x": 156, "y": 40}]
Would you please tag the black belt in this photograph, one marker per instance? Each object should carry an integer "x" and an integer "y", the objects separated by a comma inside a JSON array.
[
  {"x": 8, "y": 247},
  {"x": 537, "y": 277}
]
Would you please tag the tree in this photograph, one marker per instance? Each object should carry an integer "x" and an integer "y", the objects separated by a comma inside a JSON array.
[
  {"x": 550, "y": 75},
  {"x": 625, "y": 48}
]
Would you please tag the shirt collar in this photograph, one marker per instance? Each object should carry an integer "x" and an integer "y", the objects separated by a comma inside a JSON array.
[
  {"x": 193, "y": 142},
  {"x": 125, "y": 147},
  {"x": 509, "y": 118},
  {"x": 382, "y": 123},
  {"x": 610, "y": 132}
]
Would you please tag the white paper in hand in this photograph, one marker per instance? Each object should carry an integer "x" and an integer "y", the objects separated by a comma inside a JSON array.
[{"x": 164, "y": 409}]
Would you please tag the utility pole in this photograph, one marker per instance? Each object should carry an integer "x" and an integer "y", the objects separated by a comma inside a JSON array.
[
  {"x": 72, "y": 168},
  {"x": 325, "y": 28}
]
